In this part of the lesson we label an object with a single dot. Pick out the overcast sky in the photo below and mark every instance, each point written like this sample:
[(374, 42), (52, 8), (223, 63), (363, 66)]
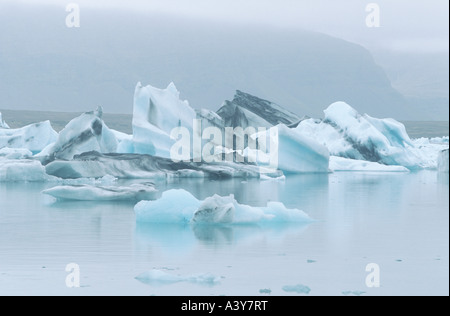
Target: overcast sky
[(224, 45), (406, 25)]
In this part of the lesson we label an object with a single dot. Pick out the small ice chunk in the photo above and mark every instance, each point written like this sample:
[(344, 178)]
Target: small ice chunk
[(299, 288), (158, 277), (265, 291), (354, 293)]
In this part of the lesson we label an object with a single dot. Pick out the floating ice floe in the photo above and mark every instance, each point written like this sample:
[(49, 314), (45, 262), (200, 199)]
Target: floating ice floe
[(158, 277), (34, 137), (179, 206), (136, 166), (135, 192), (2, 122)]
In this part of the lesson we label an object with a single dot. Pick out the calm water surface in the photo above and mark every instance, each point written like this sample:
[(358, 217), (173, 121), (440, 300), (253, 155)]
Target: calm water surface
[(398, 221)]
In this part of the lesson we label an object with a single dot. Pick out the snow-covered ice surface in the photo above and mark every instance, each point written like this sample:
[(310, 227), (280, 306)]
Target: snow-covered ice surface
[(181, 207), (85, 192), (398, 220)]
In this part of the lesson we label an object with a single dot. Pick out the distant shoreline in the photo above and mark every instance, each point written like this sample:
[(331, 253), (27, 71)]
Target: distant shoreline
[(123, 122)]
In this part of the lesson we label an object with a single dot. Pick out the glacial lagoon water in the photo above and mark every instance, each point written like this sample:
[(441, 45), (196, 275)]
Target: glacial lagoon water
[(398, 221)]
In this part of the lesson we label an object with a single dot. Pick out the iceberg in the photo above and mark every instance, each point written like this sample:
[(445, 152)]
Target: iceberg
[(348, 134), (246, 110), (136, 166), (443, 161), (300, 154), (181, 207), (135, 192), (34, 137), (346, 164), (156, 112), (87, 148), (2, 122), (124, 141), (293, 152), (209, 119), (85, 133)]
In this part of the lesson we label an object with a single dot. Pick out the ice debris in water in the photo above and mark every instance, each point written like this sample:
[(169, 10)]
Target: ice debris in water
[(265, 291), (158, 277), (299, 288), (355, 293)]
